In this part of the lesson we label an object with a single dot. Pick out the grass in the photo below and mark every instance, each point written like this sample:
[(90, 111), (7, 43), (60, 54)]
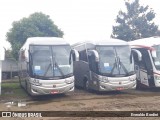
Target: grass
[(12, 90)]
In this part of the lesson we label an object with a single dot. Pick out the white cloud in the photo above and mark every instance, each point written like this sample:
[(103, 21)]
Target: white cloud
[(79, 19)]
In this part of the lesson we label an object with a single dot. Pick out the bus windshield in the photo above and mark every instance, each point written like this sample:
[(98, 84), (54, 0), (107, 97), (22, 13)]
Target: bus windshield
[(157, 59), (115, 60), (50, 61)]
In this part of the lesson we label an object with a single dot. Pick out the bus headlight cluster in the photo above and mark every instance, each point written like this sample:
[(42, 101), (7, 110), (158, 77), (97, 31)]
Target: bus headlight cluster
[(103, 79), (132, 79), (36, 82), (69, 80), (157, 77)]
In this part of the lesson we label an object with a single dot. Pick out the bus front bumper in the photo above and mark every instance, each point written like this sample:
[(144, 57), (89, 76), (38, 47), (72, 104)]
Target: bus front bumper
[(39, 90), (119, 86)]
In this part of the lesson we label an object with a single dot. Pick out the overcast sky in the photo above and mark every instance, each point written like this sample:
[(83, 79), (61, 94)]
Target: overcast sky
[(79, 19)]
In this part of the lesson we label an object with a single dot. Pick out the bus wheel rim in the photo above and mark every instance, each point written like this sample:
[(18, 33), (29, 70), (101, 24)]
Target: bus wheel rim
[(87, 85)]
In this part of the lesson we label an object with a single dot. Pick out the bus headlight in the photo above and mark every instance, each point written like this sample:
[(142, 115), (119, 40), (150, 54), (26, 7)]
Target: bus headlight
[(156, 77), (104, 79), (69, 80), (132, 79), (36, 82)]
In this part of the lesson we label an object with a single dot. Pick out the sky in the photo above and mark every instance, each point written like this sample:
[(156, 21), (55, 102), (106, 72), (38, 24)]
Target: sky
[(79, 19)]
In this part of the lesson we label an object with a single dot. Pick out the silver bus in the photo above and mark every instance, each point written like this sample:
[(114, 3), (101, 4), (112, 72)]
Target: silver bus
[(148, 69), (44, 66), (104, 65)]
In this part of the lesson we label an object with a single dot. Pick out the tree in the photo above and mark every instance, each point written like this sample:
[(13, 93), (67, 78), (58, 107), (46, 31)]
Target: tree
[(136, 23), (36, 25), (8, 54)]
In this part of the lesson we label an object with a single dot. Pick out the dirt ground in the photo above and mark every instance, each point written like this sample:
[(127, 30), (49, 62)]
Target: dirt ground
[(80, 100)]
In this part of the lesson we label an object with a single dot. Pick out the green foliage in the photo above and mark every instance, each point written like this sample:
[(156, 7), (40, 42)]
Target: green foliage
[(136, 23), (8, 54), (36, 25)]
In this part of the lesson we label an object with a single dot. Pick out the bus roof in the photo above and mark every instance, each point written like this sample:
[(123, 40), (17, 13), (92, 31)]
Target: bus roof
[(109, 41), (44, 41), (145, 42)]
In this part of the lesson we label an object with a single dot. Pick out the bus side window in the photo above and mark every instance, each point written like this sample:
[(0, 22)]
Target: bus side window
[(145, 63), (135, 57), (142, 62)]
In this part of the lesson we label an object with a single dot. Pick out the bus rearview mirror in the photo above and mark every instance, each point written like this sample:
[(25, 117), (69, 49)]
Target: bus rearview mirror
[(139, 54), (74, 54), (95, 54)]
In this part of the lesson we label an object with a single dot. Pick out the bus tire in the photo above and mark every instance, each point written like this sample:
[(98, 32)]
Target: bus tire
[(86, 85), (20, 82), (19, 78), (27, 87), (138, 86)]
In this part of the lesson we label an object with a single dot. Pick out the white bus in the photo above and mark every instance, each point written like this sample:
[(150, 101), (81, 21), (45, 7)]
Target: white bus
[(104, 65), (148, 69), (44, 66)]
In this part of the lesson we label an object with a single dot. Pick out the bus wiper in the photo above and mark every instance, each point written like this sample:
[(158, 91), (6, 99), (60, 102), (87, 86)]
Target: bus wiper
[(121, 64), (55, 64), (114, 66), (59, 68), (124, 68), (117, 65), (47, 69), (50, 64)]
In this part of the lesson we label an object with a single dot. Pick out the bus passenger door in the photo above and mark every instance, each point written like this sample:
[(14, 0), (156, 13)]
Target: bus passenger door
[(141, 69), (143, 66), (143, 76), (137, 56), (74, 56), (93, 59), (149, 68), (73, 60)]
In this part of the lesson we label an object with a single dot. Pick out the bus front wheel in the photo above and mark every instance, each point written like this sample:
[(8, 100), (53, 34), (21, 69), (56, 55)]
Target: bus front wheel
[(86, 85)]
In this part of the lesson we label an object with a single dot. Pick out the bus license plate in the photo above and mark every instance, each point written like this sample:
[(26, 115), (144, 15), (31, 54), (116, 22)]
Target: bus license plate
[(119, 88), (54, 92)]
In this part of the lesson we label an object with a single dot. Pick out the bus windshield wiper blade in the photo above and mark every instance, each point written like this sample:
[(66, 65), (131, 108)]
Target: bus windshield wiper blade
[(121, 64), (47, 69), (115, 64), (59, 69), (124, 68)]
